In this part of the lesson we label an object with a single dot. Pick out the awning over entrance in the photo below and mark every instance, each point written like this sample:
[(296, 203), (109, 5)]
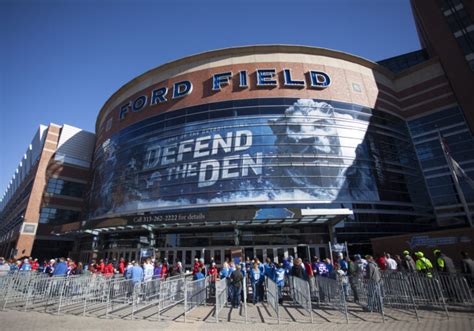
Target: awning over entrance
[(211, 219)]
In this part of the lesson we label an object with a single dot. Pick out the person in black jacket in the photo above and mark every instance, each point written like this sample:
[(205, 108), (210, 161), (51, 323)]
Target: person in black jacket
[(236, 278), (297, 269)]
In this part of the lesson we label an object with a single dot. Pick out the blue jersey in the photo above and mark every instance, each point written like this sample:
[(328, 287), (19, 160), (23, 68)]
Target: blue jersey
[(224, 273), (26, 267), (255, 275), (343, 264), (269, 271), (322, 269), (198, 275), (280, 276)]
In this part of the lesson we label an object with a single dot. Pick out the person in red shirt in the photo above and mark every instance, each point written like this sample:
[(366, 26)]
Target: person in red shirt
[(164, 270), (308, 268), (381, 262), (109, 269), (213, 272), (196, 266), (35, 264), (100, 267), (121, 267)]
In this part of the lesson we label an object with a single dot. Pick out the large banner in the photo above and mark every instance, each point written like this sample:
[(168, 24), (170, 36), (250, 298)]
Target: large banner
[(310, 152)]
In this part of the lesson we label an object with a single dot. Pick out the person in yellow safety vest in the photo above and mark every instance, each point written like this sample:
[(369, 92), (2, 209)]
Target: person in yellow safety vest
[(443, 262), (423, 264)]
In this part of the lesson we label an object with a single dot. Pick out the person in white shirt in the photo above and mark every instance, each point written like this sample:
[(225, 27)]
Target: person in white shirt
[(391, 263), (4, 267), (148, 270)]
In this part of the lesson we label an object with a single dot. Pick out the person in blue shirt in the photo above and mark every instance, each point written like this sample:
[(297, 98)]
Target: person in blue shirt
[(280, 280), (330, 267), (60, 269), (269, 268), (321, 268), (224, 274), (260, 266), (198, 275), (256, 279), (224, 271), (136, 273), (26, 266), (342, 263), (14, 266)]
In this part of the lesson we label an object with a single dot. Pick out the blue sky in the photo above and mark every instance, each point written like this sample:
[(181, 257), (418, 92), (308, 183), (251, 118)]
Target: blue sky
[(61, 60)]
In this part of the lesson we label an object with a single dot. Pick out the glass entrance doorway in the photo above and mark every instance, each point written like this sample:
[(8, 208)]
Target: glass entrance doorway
[(221, 254)]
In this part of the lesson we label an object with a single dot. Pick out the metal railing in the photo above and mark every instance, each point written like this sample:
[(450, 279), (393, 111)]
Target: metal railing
[(301, 294), (116, 297), (221, 296), (195, 294), (333, 292), (172, 294), (273, 296)]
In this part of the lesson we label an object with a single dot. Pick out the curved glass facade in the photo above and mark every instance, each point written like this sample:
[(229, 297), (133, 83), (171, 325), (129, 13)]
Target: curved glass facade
[(277, 151)]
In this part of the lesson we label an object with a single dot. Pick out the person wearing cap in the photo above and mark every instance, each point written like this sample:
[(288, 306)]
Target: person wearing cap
[(423, 264), (443, 262), (408, 264)]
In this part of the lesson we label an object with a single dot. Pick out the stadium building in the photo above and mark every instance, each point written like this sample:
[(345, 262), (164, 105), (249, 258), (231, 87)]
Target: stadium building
[(276, 150)]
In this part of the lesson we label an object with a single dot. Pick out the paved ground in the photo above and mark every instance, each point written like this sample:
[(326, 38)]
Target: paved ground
[(260, 317)]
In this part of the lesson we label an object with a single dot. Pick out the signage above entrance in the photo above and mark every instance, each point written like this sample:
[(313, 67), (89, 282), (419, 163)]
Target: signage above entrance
[(262, 78)]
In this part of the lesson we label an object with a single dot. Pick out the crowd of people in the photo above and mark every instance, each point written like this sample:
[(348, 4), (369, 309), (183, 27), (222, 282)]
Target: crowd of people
[(346, 269)]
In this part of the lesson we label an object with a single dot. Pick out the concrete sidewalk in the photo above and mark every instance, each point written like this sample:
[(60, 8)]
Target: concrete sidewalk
[(260, 317)]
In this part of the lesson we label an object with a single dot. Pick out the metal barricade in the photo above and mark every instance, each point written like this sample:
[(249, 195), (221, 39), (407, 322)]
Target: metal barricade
[(18, 287), (119, 296), (38, 292), (273, 296), (314, 288), (171, 294), (71, 295), (95, 301), (301, 294), (221, 296), (426, 291), (456, 289), (370, 295), (397, 292), (333, 292), (195, 294)]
